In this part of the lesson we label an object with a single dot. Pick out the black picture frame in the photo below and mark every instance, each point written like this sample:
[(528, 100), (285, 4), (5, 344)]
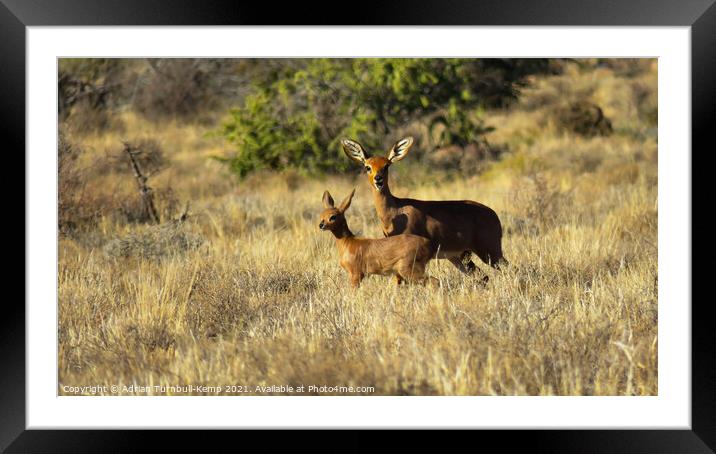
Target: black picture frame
[(700, 15)]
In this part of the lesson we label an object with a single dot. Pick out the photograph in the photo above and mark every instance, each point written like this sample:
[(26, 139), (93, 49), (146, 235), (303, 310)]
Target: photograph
[(357, 226)]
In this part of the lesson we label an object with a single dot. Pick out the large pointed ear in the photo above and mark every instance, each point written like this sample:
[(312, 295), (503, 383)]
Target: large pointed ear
[(400, 149), (327, 200), (346, 202), (354, 150)]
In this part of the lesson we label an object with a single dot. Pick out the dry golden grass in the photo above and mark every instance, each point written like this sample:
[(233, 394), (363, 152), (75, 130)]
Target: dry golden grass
[(262, 301)]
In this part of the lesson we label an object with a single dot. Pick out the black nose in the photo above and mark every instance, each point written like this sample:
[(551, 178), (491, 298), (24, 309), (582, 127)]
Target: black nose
[(378, 179), (320, 226)]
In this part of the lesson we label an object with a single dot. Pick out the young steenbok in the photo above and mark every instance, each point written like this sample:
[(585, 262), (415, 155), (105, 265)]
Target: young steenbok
[(455, 227), (404, 256)]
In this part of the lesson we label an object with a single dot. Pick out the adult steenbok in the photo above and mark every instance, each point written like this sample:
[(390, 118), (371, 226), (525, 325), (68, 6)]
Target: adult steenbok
[(404, 256), (456, 227)]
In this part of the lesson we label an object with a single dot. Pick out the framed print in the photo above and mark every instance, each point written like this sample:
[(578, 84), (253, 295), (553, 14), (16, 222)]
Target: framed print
[(518, 179)]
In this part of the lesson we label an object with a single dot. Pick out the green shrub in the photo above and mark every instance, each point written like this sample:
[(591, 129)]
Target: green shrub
[(297, 117)]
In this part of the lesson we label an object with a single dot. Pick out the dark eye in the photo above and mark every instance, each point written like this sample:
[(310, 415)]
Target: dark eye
[(367, 169), (332, 218)]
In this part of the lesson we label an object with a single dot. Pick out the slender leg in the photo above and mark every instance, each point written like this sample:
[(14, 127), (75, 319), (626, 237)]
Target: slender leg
[(413, 273), (468, 268), (469, 264), (356, 278), (501, 263), (492, 256), (398, 279), (465, 267)]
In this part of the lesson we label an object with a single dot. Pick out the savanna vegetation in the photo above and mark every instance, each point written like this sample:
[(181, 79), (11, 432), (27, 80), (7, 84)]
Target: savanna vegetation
[(190, 254)]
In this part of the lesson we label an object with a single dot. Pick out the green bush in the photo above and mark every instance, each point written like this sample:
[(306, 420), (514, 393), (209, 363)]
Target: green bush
[(296, 117)]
